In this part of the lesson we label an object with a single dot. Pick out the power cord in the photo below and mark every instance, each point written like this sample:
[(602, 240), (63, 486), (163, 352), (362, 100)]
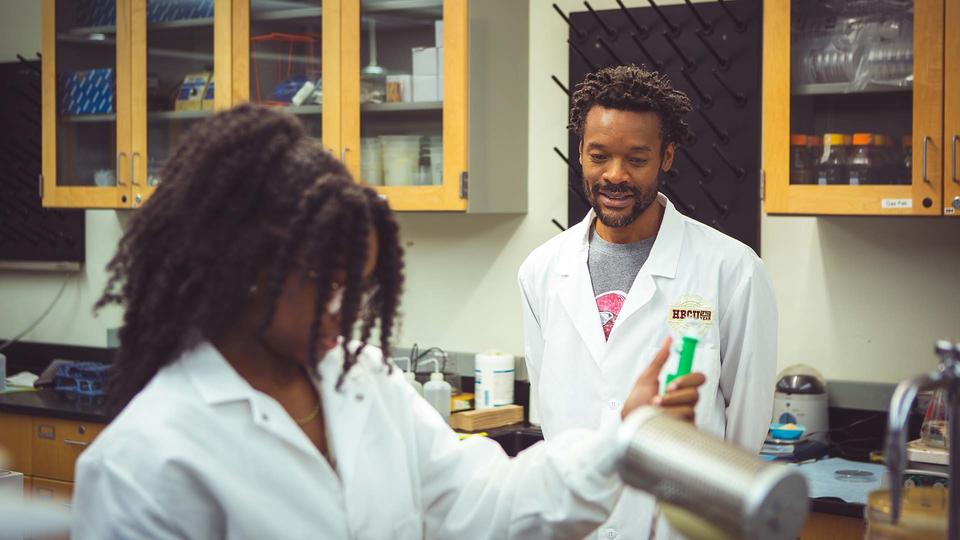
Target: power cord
[(38, 320)]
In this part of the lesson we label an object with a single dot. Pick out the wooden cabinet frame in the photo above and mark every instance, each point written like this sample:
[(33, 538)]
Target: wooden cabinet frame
[(781, 197)]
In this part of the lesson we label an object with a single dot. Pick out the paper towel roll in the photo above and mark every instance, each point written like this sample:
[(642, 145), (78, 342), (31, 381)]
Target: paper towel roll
[(493, 376)]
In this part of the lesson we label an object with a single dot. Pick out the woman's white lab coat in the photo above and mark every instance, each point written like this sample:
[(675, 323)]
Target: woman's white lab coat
[(581, 379), (199, 453)]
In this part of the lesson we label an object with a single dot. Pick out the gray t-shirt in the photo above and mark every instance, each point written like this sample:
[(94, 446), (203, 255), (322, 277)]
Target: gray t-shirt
[(613, 267)]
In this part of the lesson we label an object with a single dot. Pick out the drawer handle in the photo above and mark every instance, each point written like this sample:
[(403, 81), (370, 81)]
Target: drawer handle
[(72, 442)]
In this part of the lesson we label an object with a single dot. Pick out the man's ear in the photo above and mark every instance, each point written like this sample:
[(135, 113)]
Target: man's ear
[(580, 154), (667, 160)]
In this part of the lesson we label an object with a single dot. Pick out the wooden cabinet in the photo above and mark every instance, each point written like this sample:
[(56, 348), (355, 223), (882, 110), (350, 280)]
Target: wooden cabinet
[(855, 118), (831, 527), (425, 100), (951, 114), (113, 106), (51, 490), (15, 433), (45, 450), (56, 444)]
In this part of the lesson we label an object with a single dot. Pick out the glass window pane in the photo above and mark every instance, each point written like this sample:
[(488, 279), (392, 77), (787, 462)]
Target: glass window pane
[(86, 62), (285, 57), (401, 92), (852, 101)]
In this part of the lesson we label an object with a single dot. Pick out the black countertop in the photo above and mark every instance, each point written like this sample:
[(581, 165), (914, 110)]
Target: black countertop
[(53, 404)]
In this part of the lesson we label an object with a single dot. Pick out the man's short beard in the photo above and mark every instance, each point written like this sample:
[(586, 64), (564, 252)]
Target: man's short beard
[(642, 200)]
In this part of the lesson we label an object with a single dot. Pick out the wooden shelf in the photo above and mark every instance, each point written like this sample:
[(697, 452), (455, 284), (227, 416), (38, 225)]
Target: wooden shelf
[(825, 89), (159, 115)]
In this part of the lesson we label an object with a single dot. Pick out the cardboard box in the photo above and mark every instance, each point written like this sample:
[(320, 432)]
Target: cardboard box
[(425, 88), (207, 103), (88, 92), (192, 90), (424, 61), (406, 86)]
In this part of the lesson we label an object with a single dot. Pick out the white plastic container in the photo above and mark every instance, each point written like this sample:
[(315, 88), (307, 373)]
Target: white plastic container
[(401, 159), (371, 161), (437, 394), (493, 378), (411, 378)]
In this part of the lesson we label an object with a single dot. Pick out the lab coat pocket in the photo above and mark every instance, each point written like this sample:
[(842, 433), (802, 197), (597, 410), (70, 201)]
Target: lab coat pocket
[(706, 361)]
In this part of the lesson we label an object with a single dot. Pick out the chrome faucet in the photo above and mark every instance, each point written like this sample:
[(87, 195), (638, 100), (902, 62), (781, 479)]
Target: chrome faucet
[(947, 378)]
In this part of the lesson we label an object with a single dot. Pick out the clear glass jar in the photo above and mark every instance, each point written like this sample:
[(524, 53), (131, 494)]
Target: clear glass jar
[(802, 161), (832, 167), (906, 160), (864, 164), (923, 515)]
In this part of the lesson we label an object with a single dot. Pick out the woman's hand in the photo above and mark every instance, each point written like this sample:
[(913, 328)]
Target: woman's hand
[(681, 395)]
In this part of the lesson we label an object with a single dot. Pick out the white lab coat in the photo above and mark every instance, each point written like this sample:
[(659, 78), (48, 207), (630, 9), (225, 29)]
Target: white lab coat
[(199, 453), (581, 380)]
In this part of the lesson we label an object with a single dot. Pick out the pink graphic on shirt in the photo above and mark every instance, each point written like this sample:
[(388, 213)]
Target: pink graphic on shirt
[(609, 305)]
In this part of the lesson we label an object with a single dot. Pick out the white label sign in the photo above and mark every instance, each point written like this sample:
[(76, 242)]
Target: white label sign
[(949, 210), (889, 204)]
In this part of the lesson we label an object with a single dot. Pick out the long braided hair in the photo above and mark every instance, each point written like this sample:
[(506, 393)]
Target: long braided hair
[(247, 193)]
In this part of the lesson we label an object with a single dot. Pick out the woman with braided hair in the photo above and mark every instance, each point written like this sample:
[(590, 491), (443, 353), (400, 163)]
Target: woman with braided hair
[(246, 407)]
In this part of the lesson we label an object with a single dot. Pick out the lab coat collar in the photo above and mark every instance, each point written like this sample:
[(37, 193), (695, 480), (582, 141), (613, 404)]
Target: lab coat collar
[(664, 256), (219, 384), (576, 288)]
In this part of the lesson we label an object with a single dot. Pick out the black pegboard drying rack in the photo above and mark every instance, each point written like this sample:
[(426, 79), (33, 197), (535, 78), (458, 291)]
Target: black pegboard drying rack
[(711, 51), (31, 237)]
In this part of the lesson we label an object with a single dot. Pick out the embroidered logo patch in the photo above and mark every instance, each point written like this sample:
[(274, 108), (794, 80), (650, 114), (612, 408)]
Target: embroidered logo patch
[(689, 307)]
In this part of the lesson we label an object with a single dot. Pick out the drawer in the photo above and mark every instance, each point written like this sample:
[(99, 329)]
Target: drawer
[(57, 443), (51, 490), (832, 527), (15, 433)]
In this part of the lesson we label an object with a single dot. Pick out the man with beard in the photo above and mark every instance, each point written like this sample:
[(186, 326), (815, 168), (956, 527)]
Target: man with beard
[(648, 271)]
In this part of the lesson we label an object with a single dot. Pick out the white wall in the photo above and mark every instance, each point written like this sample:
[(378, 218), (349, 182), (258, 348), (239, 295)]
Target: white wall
[(860, 298), (25, 295)]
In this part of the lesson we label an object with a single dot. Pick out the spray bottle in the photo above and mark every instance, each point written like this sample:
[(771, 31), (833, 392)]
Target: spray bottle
[(437, 390)]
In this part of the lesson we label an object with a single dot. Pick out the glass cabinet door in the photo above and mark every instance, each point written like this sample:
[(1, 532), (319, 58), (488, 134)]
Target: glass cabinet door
[(865, 108), (173, 81), (285, 40), (85, 158), (401, 92)]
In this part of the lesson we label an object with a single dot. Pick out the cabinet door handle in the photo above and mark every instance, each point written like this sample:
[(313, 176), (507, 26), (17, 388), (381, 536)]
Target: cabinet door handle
[(953, 174), (120, 155), (133, 168), (72, 442), (343, 155), (926, 139)]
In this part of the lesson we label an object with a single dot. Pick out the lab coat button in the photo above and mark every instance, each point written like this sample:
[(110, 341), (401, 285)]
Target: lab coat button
[(610, 533), (613, 404)]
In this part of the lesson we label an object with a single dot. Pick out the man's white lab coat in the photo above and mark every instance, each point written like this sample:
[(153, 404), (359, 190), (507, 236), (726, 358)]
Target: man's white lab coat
[(581, 380), (199, 453)]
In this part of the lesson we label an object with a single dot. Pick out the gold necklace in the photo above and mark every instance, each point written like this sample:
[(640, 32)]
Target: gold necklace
[(313, 414)]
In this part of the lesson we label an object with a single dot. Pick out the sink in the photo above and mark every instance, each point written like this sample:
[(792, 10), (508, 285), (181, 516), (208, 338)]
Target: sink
[(516, 440)]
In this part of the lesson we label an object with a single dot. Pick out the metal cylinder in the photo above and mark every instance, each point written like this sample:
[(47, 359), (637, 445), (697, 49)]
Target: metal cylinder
[(716, 481)]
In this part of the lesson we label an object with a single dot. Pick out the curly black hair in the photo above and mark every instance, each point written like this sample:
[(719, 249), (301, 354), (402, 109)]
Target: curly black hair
[(247, 193), (632, 88)]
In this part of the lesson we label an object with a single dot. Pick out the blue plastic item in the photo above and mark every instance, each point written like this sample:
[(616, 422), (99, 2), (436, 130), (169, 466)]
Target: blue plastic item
[(285, 91), (780, 431), (87, 378)]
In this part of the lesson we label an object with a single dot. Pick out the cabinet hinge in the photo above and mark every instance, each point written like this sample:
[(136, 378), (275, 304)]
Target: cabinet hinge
[(763, 184), (40, 176), (464, 185)]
